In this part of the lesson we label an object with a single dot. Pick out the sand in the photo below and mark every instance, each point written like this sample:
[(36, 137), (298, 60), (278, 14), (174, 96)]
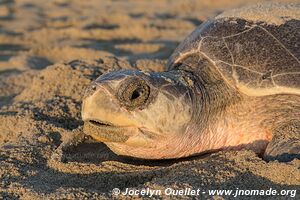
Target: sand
[(50, 51), (258, 13)]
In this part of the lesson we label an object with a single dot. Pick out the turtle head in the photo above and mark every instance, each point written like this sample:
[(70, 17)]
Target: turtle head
[(138, 114)]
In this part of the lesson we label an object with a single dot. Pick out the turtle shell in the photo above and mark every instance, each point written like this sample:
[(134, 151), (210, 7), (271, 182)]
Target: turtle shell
[(256, 49)]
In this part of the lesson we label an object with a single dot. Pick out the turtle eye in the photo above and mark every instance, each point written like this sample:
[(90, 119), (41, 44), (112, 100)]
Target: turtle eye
[(134, 93)]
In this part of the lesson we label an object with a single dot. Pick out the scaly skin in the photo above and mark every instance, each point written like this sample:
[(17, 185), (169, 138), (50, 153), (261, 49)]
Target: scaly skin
[(205, 120)]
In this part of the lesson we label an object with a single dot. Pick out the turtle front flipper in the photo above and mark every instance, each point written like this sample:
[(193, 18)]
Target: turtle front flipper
[(285, 144)]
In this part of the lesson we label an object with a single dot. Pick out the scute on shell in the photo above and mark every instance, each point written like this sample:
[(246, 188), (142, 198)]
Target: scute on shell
[(254, 55)]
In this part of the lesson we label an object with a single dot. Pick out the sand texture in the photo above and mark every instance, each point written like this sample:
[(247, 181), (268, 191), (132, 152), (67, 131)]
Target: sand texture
[(51, 50)]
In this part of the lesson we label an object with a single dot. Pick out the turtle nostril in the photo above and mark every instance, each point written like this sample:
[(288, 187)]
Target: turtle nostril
[(90, 90)]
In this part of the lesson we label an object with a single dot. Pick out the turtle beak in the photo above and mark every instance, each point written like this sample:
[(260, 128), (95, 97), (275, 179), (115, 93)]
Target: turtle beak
[(104, 119), (105, 132)]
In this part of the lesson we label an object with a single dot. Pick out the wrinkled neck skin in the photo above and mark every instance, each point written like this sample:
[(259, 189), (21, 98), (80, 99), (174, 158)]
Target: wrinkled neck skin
[(224, 118), (218, 119)]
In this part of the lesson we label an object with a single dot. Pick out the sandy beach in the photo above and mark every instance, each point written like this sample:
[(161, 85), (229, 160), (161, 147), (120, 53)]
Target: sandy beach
[(50, 51)]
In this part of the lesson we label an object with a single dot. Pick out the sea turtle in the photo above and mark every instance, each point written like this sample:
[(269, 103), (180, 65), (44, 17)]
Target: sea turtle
[(233, 83)]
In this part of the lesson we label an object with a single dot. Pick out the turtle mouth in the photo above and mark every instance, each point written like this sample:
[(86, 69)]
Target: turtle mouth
[(100, 123), (105, 131)]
